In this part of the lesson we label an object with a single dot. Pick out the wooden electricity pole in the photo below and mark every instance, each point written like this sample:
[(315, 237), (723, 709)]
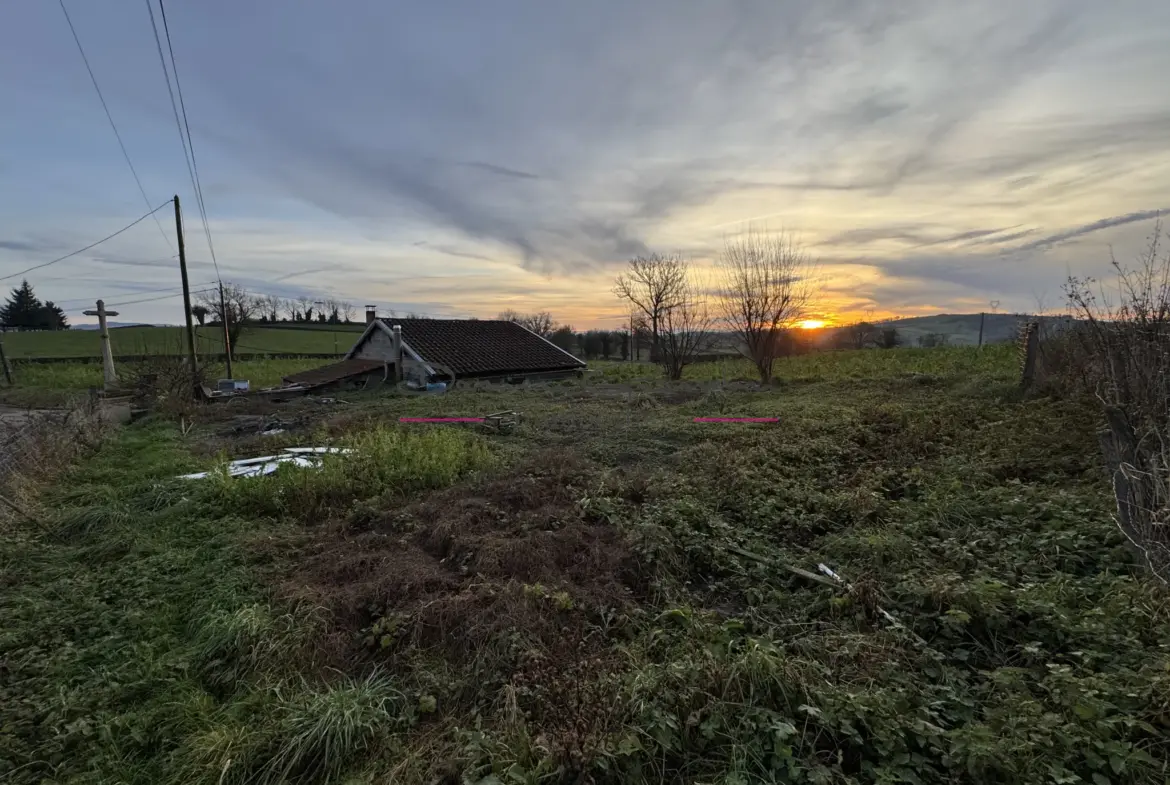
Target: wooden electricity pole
[(108, 376), (227, 343), (186, 295)]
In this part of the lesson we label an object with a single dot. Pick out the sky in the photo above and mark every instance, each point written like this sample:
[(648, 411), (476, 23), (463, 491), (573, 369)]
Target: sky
[(460, 158)]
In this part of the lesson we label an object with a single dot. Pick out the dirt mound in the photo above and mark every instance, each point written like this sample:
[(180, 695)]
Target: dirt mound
[(512, 554), (505, 579)]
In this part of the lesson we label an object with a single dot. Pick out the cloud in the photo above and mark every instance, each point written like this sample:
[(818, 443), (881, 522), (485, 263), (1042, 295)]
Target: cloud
[(450, 250), (937, 150), (502, 171), (631, 116), (19, 245), (1095, 226)]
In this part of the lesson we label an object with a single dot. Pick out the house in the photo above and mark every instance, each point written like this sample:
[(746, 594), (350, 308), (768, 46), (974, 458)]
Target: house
[(466, 348), (442, 349)]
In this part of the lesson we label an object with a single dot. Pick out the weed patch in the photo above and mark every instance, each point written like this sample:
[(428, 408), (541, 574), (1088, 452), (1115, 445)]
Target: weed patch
[(609, 593)]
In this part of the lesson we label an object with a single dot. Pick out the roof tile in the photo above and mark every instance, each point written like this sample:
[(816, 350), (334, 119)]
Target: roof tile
[(482, 347)]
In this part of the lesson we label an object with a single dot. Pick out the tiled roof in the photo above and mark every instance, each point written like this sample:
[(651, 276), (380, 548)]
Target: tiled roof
[(334, 372), (482, 347)]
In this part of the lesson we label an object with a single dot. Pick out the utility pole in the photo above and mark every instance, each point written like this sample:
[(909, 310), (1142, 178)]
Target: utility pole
[(186, 296), (227, 343), (108, 374), (981, 315)]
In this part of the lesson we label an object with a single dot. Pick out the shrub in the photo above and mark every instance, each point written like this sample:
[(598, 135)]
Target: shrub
[(1125, 356)]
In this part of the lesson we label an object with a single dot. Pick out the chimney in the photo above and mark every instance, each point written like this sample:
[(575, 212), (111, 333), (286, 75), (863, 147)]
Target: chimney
[(396, 330), (371, 313)]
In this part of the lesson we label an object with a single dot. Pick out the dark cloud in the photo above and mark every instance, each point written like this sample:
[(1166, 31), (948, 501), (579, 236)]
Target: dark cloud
[(503, 171), (1005, 238), (19, 245), (451, 250), (919, 235), (1096, 226), (299, 273)]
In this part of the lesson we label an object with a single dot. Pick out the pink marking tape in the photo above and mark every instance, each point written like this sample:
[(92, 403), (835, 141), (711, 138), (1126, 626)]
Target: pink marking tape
[(440, 419), (737, 419)]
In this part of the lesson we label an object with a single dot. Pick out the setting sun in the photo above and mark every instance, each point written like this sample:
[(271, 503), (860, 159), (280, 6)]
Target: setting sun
[(811, 324)]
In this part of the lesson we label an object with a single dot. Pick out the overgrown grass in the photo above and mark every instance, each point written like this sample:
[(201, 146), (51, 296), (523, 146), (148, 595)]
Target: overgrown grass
[(379, 461), (180, 631), (294, 734), (139, 646), (46, 385), (996, 362)]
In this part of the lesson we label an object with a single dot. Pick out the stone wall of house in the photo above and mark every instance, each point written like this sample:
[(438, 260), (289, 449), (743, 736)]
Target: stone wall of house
[(379, 346)]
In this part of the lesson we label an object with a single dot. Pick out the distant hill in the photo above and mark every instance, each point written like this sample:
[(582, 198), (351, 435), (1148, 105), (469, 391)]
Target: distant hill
[(963, 328)]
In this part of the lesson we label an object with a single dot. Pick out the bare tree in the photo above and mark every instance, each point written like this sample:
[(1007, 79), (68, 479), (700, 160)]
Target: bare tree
[(240, 305), (685, 330), (347, 311), (305, 308), (271, 305), (541, 323), (200, 312), (856, 335), (653, 285), (765, 287), (291, 309)]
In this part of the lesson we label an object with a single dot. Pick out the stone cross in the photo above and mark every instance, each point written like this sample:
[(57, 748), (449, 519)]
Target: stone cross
[(107, 356)]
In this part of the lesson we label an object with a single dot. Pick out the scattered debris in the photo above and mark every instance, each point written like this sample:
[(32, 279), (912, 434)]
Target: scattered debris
[(503, 421), (262, 425), (889, 617), (304, 457), (812, 576)]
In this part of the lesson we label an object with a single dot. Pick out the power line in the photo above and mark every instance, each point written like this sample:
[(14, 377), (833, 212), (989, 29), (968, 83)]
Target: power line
[(81, 309), (156, 299), (185, 127), (128, 294), (91, 245), (110, 117)]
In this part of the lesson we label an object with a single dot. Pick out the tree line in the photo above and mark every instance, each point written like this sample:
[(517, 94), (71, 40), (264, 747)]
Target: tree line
[(759, 291), (243, 308), (24, 311), (590, 345)]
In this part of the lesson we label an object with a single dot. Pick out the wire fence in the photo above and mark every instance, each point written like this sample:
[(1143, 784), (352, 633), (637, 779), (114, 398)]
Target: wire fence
[(36, 442)]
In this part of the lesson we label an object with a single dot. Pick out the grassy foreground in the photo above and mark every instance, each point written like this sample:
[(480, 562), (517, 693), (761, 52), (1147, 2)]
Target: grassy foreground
[(601, 595)]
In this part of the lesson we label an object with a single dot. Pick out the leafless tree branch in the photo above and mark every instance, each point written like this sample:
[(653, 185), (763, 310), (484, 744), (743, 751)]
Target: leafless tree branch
[(765, 286)]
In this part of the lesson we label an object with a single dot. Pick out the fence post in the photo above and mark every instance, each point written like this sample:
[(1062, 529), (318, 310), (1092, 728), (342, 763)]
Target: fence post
[(1031, 349), (4, 362)]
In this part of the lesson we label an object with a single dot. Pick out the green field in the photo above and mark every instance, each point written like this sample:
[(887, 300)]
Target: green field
[(610, 593), (139, 341)]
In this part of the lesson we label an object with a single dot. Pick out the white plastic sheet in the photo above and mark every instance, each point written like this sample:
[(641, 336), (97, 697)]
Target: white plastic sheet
[(302, 457)]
